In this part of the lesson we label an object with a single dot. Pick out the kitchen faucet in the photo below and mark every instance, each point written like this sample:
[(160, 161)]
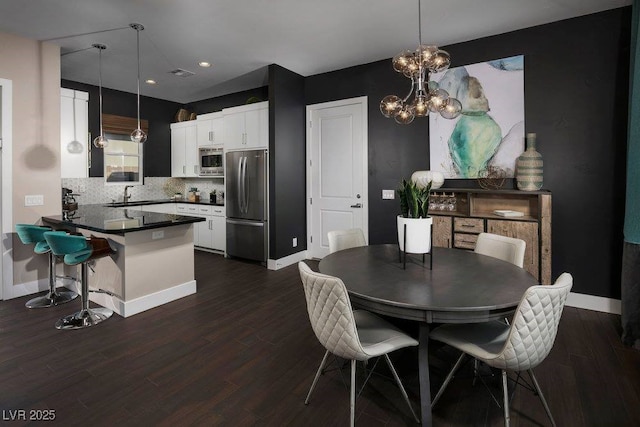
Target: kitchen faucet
[(126, 196)]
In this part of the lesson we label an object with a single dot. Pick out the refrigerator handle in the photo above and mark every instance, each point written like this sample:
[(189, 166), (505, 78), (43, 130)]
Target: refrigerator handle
[(239, 183), (245, 184), (247, 223)]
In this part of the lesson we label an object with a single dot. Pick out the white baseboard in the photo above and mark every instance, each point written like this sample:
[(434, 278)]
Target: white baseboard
[(35, 286), (138, 305), (277, 264), (590, 302)]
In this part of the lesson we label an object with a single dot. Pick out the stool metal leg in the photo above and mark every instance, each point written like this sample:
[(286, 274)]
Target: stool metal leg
[(87, 316), (53, 297)]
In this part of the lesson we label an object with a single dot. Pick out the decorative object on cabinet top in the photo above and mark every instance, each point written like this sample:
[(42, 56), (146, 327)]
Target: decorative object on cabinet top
[(492, 178), (184, 115), (529, 167), (424, 177)]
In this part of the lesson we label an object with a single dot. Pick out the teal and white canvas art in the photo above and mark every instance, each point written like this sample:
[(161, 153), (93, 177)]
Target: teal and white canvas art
[(490, 130)]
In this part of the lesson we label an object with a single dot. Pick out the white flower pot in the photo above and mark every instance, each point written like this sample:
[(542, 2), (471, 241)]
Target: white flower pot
[(418, 234)]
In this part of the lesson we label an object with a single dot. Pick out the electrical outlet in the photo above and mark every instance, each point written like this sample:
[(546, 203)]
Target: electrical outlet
[(34, 200), (295, 242), (157, 235), (388, 194)]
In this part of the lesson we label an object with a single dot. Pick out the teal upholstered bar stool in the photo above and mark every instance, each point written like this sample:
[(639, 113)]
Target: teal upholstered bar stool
[(34, 234), (80, 250)]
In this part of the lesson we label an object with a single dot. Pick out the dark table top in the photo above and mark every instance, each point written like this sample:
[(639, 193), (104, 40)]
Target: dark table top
[(111, 220), (463, 286)]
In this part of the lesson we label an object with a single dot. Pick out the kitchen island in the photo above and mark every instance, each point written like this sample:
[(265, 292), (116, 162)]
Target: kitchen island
[(154, 259)]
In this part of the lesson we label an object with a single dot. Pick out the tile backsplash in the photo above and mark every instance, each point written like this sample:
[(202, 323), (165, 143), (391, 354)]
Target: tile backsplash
[(93, 190)]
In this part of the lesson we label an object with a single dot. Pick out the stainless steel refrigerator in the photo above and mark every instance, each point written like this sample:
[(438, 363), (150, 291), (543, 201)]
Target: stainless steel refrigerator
[(247, 204)]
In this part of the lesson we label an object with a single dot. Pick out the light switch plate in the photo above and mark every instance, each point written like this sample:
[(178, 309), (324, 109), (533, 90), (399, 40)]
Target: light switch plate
[(34, 200), (388, 194)]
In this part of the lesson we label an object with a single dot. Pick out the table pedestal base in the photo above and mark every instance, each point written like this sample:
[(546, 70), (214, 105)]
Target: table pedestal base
[(423, 374)]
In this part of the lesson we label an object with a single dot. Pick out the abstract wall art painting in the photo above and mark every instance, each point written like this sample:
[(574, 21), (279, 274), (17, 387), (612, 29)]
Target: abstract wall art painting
[(490, 130)]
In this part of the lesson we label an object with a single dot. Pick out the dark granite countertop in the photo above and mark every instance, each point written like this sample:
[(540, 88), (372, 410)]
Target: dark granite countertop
[(116, 220), (160, 201)]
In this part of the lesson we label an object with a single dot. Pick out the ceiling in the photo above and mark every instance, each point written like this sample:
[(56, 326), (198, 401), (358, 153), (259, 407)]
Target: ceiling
[(242, 37)]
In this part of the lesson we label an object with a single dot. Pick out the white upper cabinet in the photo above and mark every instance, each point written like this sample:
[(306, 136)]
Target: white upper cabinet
[(210, 129), (246, 127), (75, 144), (184, 150)]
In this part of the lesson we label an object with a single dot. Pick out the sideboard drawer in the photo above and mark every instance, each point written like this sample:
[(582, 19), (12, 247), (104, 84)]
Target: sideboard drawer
[(468, 225), (465, 241)]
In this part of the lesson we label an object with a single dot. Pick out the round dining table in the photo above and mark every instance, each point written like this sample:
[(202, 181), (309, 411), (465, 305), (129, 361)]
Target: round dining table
[(461, 287)]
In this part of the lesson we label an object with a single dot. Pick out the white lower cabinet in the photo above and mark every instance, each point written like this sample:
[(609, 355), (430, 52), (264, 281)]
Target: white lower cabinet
[(219, 229), (211, 233)]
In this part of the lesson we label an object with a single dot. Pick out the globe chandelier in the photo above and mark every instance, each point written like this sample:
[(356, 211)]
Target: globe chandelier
[(428, 96)]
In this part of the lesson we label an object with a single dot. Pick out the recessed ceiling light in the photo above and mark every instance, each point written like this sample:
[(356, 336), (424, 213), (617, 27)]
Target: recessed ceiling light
[(150, 81), (204, 64)]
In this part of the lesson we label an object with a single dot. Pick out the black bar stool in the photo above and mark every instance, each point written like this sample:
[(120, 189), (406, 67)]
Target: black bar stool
[(80, 250), (34, 234)]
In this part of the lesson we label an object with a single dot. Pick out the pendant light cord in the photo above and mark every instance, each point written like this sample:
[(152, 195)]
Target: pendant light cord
[(138, 52), (100, 83), (419, 24)]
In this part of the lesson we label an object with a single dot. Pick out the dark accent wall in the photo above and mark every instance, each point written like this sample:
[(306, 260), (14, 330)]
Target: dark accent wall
[(576, 96), (287, 154), (159, 113)]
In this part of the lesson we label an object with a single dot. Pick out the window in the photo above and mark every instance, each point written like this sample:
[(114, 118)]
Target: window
[(122, 160)]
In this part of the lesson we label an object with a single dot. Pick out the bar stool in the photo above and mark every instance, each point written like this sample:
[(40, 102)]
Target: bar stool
[(80, 250), (29, 234)]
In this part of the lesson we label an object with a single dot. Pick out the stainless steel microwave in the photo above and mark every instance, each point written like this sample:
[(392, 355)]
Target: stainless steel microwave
[(211, 161)]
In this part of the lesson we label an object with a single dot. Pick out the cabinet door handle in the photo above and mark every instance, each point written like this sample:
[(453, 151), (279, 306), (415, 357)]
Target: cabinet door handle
[(184, 169), (195, 169), (210, 135), (210, 224), (357, 205)]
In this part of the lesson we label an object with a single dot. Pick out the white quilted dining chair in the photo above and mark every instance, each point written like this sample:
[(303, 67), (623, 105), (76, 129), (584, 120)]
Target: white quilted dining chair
[(345, 239), (521, 346), (355, 335), (505, 248)]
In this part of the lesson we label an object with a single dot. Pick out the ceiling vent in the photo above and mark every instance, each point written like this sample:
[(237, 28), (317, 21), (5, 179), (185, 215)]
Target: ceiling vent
[(179, 72)]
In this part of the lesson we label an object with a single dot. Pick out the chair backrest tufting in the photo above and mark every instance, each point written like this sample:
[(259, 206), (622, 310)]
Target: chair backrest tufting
[(502, 247), (330, 314), (345, 239), (534, 325)]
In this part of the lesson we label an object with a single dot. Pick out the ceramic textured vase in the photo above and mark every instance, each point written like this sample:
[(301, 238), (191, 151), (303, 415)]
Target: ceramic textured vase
[(529, 167), (422, 178)]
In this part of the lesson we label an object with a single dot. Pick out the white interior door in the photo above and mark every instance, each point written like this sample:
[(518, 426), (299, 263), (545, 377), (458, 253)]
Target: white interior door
[(337, 171)]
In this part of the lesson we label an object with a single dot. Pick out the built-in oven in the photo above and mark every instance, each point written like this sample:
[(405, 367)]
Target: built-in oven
[(211, 161)]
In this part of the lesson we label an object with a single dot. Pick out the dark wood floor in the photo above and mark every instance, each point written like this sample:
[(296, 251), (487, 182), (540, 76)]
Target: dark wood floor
[(241, 352)]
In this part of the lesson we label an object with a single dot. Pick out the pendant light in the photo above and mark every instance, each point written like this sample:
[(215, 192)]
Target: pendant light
[(75, 146), (428, 96), (138, 135), (100, 141)]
